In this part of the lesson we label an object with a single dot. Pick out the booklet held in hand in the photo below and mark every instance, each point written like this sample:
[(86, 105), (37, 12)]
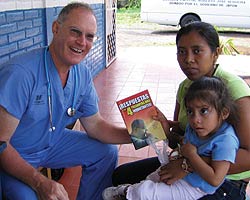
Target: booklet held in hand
[(137, 111)]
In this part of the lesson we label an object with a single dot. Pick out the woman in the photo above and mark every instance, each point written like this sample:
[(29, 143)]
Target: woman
[(198, 49)]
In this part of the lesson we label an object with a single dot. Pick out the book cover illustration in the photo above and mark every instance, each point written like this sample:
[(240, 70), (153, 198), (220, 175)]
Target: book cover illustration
[(137, 111)]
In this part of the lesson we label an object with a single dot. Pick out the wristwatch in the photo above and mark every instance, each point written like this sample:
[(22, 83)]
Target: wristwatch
[(3, 145)]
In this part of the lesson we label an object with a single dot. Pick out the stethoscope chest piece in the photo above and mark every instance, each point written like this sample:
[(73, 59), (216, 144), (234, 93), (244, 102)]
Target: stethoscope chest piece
[(71, 111)]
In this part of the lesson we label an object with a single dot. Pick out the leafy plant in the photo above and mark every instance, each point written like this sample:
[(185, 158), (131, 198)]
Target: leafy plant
[(228, 47), (134, 4), (129, 3)]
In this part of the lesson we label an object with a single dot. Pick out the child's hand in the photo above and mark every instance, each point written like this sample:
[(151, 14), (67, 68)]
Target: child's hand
[(163, 120), (159, 116), (188, 150)]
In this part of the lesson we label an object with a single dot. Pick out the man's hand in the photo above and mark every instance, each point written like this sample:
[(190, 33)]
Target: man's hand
[(51, 190), (172, 172)]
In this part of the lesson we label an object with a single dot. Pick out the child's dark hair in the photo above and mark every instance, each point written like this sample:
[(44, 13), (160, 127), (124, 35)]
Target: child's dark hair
[(213, 91)]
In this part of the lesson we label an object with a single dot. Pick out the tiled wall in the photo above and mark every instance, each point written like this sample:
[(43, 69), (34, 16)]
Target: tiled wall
[(24, 29), (20, 31)]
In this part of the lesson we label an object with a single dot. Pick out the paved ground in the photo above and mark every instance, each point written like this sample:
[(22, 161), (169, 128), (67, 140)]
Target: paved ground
[(139, 35)]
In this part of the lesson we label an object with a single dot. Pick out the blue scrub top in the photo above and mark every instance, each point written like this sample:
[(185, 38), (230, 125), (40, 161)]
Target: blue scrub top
[(222, 145), (24, 94)]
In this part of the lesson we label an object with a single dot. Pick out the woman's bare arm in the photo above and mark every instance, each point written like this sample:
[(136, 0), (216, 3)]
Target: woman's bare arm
[(243, 132)]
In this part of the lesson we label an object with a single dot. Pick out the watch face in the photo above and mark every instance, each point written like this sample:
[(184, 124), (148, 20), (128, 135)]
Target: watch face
[(3, 145)]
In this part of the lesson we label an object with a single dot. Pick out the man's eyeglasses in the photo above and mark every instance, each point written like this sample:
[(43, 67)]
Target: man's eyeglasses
[(76, 33)]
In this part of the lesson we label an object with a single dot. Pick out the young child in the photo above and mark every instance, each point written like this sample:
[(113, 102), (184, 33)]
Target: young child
[(211, 115)]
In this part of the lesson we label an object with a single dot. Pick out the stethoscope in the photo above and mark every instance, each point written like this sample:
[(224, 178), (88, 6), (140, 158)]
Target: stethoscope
[(71, 111)]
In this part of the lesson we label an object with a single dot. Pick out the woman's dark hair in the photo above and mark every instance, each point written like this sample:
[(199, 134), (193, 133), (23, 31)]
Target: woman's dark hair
[(213, 91), (205, 30)]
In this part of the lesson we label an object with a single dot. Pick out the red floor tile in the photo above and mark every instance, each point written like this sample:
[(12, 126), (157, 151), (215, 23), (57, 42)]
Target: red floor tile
[(134, 70)]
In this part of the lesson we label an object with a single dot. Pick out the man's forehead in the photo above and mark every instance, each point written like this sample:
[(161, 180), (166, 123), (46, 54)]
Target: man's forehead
[(81, 19), (80, 13)]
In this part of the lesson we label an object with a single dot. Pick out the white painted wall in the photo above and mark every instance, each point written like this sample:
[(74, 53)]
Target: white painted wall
[(6, 5)]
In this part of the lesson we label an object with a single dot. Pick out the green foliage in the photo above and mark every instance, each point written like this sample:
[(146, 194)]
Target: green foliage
[(128, 16), (134, 4), (129, 3), (228, 47), (129, 11)]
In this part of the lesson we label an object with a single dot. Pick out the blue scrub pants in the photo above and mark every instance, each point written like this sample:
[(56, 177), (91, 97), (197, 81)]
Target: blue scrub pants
[(75, 148)]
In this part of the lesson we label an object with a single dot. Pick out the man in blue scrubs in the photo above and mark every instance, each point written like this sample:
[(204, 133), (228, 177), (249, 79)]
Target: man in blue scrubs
[(43, 91), (3, 146)]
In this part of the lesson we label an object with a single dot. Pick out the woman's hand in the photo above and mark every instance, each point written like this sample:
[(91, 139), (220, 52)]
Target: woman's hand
[(172, 172)]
